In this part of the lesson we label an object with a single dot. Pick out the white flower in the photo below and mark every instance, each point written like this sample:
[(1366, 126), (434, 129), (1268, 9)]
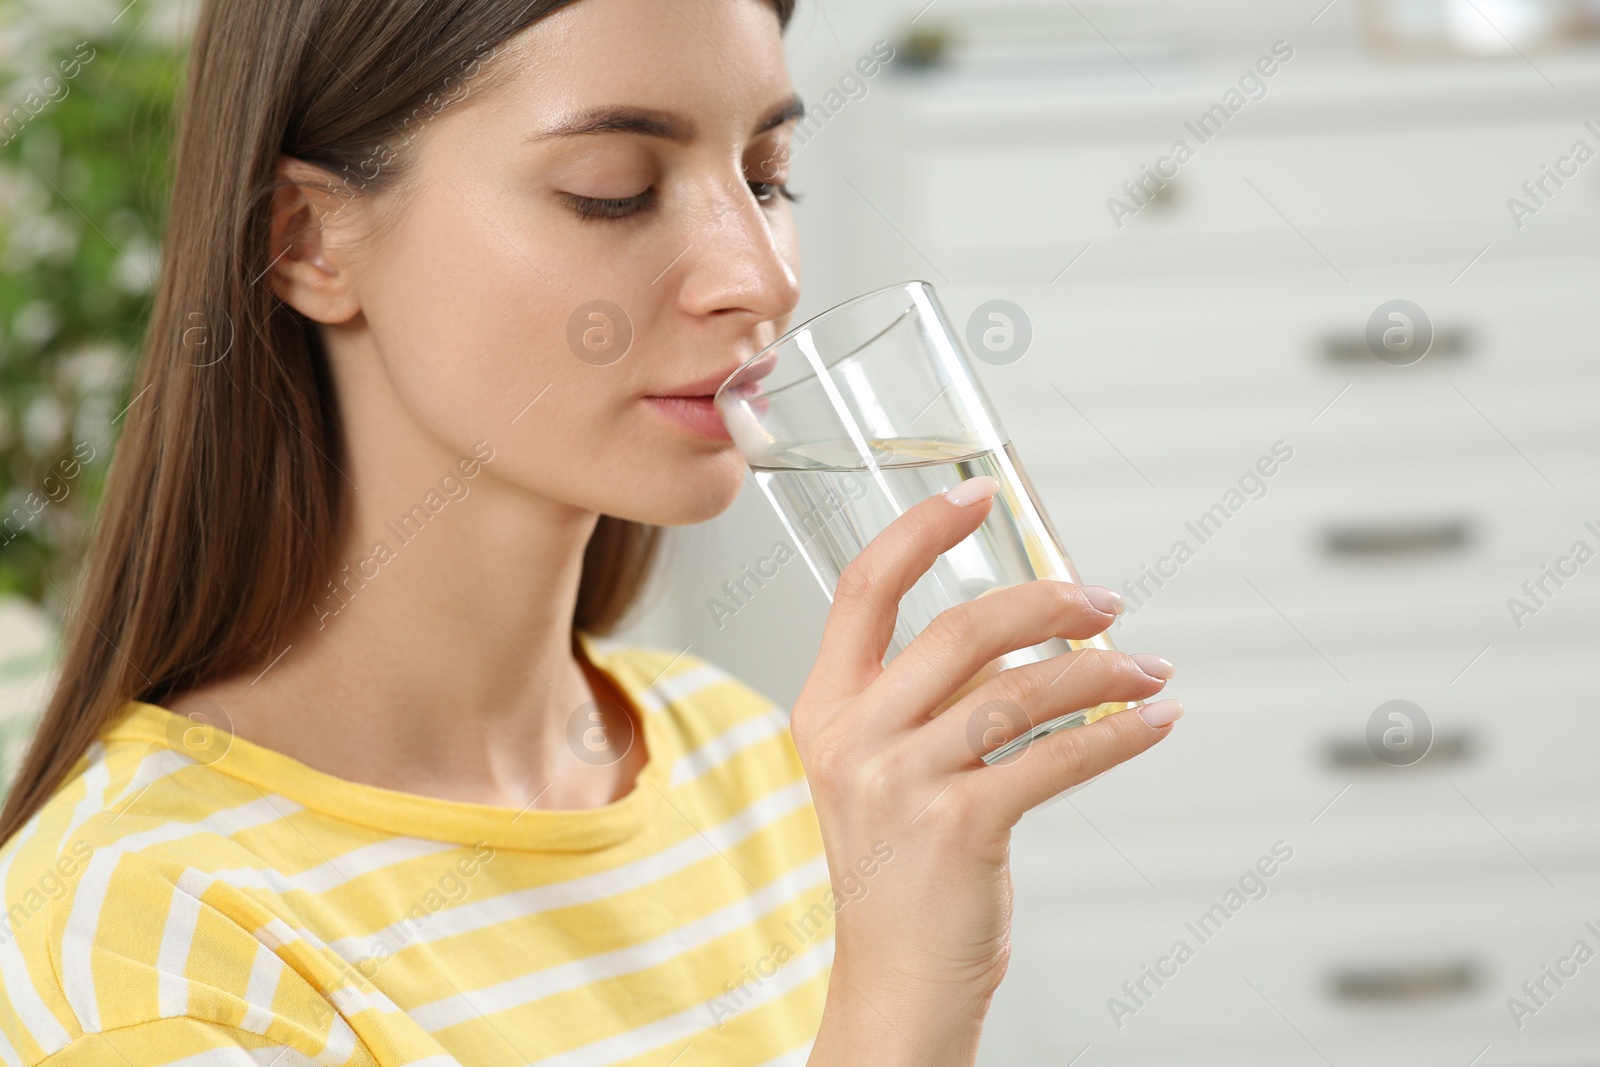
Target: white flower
[(36, 323), (44, 424)]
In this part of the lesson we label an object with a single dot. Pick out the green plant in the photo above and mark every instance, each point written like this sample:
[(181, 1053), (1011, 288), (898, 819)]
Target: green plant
[(86, 111)]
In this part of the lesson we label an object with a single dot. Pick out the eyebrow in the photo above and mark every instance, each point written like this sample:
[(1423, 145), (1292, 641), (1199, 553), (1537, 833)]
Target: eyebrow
[(651, 122)]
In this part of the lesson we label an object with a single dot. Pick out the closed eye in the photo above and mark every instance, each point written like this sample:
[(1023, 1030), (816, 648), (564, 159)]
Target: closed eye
[(766, 192), (589, 207)]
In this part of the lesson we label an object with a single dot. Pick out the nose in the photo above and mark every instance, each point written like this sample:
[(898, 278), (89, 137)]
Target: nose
[(738, 262)]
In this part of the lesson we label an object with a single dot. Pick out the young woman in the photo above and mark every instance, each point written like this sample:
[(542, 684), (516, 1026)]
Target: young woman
[(342, 767)]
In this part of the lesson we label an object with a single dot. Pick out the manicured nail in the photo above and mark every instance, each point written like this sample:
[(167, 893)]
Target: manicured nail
[(1153, 665), (1161, 713), (973, 490), (1108, 601)]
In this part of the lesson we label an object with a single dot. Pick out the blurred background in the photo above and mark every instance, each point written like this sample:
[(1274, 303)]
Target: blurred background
[(1372, 268)]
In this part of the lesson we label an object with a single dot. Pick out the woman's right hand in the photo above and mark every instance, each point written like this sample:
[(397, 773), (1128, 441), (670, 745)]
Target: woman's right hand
[(916, 826)]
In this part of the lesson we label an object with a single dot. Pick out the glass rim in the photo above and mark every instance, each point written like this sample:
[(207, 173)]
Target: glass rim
[(795, 331)]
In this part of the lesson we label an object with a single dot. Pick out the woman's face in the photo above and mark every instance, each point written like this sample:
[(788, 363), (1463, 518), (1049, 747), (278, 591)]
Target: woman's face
[(606, 227)]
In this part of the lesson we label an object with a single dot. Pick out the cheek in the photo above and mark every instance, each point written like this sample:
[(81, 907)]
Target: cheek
[(459, 314), (478, 310)]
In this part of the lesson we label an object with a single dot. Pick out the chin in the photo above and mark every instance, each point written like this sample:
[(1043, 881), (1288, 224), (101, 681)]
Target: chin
[(683, 495)]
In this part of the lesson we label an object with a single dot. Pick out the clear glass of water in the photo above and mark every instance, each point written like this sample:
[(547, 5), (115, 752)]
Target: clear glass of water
[(858, 414)]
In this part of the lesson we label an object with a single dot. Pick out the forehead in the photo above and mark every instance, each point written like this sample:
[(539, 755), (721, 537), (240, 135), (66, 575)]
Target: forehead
[(718, 62)]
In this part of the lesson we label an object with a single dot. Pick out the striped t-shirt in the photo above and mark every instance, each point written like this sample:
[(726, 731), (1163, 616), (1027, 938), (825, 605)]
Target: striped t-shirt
[(249, 910)]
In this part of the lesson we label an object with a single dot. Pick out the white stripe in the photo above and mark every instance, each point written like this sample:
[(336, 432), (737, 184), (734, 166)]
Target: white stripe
[(440, 1060), (177, 938), (723, 747), (448, 1011), (360, 861), (350, 1000), (266, 974), (152, 768), (329, 875), (347, 1000), (518, 904), (696, 1019), (96, 777), (261, 990), (688, 683), (275, 933), (16, 843), (78, 938), (341, 1044), (30, 1010), (684, 684)]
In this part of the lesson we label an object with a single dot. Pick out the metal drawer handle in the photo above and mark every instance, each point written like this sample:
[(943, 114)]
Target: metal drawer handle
[(1448, 343), (1396, 539), (1354, 754), (1405, 983)]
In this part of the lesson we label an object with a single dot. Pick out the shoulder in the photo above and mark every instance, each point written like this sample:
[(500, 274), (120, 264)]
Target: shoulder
[(105, 901), (715, 723), (667, 680)]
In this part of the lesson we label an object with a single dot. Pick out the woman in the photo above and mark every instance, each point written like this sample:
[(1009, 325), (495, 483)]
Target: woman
[(342, 767)]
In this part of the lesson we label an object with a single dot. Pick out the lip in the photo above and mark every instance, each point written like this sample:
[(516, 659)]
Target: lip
[(705, 387), (708, 386), (694, 407), (696, 413)]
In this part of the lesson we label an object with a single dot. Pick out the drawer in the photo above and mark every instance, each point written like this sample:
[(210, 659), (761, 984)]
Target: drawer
[(1505, 320), (1269, 741), (1395, 972), (1328, 152), (1413, 556), (1277, 738), (1354, 196)]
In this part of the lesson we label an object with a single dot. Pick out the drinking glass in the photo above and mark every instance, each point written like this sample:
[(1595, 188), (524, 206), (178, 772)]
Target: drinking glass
[(861, 412)]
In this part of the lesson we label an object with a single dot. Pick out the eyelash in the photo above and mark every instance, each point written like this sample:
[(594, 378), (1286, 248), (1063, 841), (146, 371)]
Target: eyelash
[(780, 188), (588, 207)]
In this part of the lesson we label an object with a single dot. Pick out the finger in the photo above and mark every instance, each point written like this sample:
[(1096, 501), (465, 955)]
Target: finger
[(960, 645), (1066, 758), (1020, 698), (866, 601)]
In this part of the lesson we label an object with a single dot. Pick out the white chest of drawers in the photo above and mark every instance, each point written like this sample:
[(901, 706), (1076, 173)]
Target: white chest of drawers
[(1167, 357)]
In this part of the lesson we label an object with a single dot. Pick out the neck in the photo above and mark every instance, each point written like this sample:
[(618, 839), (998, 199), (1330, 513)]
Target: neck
[(439, 657)]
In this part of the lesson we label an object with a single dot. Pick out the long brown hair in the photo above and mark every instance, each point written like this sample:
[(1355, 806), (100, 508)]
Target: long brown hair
[(224, 499)]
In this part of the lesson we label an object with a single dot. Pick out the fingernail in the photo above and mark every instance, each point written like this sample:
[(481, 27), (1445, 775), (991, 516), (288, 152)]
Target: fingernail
[(1105, 600), (1161, 713), (973, 490), (1153, 665)]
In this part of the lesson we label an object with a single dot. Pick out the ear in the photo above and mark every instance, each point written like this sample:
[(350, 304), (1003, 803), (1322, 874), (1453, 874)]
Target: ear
[(313, 218)]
